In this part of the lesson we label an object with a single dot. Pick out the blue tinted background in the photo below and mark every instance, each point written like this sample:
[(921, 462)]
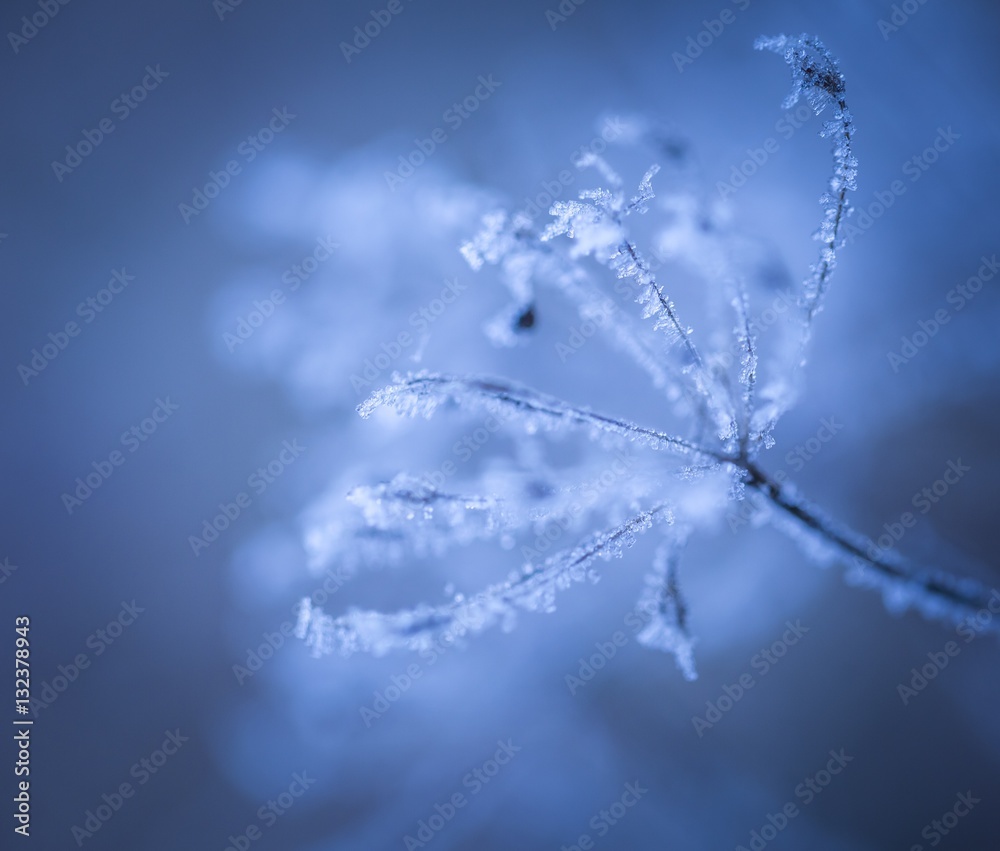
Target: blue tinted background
[(323, 175)]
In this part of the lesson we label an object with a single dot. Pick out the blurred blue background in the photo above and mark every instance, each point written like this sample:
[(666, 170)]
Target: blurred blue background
[(221, 73)]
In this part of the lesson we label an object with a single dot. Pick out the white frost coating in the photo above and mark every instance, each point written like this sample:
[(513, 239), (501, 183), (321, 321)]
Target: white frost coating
[(506, 242), (530, 589), (816, 74), (422, 393), (437, 519), (662, 600), (596, 226), (640, 202), (904, 583), (490, 244), (729, 390)]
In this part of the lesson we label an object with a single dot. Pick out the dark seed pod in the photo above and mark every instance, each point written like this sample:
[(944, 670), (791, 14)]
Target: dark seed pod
[(527, 318)]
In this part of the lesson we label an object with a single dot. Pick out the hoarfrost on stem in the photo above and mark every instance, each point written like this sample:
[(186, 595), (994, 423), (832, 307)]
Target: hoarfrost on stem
[(816, 74), (722, 389)]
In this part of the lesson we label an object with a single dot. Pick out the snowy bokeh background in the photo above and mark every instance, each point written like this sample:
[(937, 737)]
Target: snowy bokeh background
[(321, 182)]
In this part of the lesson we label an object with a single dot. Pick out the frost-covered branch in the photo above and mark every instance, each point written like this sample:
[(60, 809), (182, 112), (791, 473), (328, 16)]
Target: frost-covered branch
[(748, 364), (934, 593), (629, 263), (515, 246), (596, 225), (662, 600), (423, 392), (534, 588), (732, 414), (816, 74), (407, 500)]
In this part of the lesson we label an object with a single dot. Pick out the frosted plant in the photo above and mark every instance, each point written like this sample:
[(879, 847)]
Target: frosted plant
[(725, 390), (815, 74)]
